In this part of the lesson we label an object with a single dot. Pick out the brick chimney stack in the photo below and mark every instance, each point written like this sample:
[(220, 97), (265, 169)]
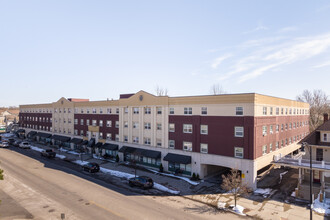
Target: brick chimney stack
[(325, 117)]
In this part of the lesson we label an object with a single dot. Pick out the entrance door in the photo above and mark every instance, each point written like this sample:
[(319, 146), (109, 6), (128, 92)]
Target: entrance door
[(316, 176), (319, 154)]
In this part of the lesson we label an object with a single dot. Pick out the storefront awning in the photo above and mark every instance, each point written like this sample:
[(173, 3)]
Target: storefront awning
[(61, 138), (76, 140), (85, 142), (107, 146), (126, 149), (177, 158), (45, 135), (32, 133), (140, 152), (151, 154), (98, 145)]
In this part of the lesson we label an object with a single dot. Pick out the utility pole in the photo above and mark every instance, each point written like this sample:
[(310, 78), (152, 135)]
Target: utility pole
[(305, 144)]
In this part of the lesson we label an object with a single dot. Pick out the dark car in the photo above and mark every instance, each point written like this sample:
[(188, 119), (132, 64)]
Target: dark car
[(48, 153), (11, 141), (141, 181), (16, 143), (91, 167)]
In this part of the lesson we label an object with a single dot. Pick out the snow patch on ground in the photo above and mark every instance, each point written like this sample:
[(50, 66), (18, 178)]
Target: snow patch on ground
[(80, 162), (264, 192), (320, 207), (238, 209), (281, 176), (221, 205), (178, 177), (36, 148), (127, 176), (293, 194), (60, 156)]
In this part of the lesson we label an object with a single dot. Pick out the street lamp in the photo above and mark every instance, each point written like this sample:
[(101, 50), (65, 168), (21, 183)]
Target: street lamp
[(305, 144)]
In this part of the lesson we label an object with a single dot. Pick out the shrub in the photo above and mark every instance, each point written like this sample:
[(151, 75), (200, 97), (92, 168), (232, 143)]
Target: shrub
[(117, 158), (161, 168)]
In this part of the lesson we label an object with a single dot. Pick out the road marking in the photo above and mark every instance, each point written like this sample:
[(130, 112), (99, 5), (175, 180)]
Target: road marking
[(102, 207)]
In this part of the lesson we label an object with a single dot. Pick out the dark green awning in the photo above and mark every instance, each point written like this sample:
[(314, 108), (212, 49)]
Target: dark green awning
[(177, 158)]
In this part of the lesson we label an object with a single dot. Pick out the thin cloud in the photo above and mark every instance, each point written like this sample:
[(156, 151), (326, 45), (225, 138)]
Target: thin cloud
[(216, 62), (327, 63), (287, 29), (260, 27)]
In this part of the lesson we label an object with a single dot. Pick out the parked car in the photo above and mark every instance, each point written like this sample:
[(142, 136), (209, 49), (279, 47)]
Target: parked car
[(11, 141), (50, 153), (141, 181), (24, 145), (91, 167), (16, 143), (4, 144)]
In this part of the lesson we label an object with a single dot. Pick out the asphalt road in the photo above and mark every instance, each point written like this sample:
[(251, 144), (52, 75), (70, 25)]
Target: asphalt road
[(46, 188)]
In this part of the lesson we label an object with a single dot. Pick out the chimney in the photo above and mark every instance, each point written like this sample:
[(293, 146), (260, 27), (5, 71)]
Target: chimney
[(325, 117)]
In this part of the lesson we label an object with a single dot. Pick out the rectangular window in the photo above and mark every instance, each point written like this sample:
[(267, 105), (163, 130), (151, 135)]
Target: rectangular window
[(135, 124), (117, 124), (282, 127), (264, 110), (264, 149), (94, 122), (271, 129), (277, 145), (136, 110), (282, 111), (125, 124), (171, 127), (117, 110), (94, 110), (239, 152), (75, 132), (277, 111), (82, 132), (147, 126), (270, 147), (81, 121), (159, 110), (147, 110), (187, 146), (290, 126), (239, 131), (87, 110), (126, 110), (136, 140), (125, 138), (75, 121), (171, 111), (264, 130), (188, 110), (117, 137), (108, 136), (159, 126), (87, 121), (101, 135), (101, 111), (204, 129), (271, 110), (282, 143), (147, 141), (277, 128), (109, 124), (187, 128), (204, 148), (171, 143), (108, 110), (204, 111), (101, 123), (159, 142), (239, 110), (286, 126)]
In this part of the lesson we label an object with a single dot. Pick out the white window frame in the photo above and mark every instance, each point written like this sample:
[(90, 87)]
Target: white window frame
[(187, 146), (239, 131), (204, 148), (239, 110), (187, 128), (237, 152), (187, 110), (171, 127), (204, 129)]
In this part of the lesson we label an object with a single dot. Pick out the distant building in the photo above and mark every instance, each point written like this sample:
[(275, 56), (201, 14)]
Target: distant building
[(7, 117), (191, 134)]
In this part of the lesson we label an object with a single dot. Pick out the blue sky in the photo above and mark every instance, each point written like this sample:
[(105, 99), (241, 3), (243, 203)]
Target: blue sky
[(100, 49)]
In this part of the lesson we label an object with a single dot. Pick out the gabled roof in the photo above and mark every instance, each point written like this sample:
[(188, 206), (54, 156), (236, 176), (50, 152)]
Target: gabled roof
[(314, 137)]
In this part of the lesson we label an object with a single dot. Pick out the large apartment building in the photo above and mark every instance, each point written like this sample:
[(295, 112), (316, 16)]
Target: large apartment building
[(192, 134)]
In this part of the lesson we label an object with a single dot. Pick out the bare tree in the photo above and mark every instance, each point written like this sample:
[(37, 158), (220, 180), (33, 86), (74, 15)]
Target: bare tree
[(1, 174), (217, 89), (161, 91), (318, 103), (234, 183)]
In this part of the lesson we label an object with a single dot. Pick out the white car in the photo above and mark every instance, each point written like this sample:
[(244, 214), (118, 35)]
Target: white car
[(4, 144), (24, 145)]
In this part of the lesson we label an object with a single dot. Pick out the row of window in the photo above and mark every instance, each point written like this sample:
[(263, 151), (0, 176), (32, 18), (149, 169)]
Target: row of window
[(188, 128), (287, 111), (37, 119), (270, 147), (283, 126), (96, 123)]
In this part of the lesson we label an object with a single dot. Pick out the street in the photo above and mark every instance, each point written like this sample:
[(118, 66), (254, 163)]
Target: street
[(45, 188)]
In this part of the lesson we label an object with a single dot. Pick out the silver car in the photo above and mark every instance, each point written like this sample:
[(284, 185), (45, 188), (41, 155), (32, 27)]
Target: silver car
[(24, 145), (4, 144)]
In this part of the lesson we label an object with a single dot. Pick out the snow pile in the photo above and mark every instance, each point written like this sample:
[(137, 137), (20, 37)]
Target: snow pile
[(293, 194), (63, 150), (60, 156), (178, 177), (238, 209), (281, 176), (80, 162), (264, 192), (73, 152), (221, 205), (36, 148), (128, 175), (320, 207)]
